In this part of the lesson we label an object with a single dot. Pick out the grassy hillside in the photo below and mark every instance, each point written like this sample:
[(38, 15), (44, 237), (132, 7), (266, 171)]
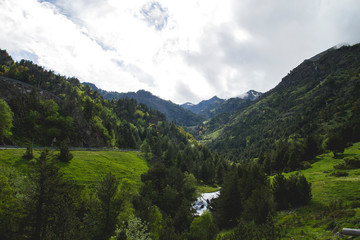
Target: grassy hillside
[(87, 167), (335, 204)]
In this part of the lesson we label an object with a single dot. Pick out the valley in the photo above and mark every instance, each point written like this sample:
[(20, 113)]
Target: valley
[(286, 161)]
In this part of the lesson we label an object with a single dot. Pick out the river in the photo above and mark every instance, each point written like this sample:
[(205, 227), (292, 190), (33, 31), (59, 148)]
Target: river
[(202, 202)]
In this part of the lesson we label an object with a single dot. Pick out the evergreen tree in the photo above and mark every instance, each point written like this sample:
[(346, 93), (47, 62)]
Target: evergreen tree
[(65, 154), (228, 206), (109, 206), (6, 120), (335, 143), (52, 206)]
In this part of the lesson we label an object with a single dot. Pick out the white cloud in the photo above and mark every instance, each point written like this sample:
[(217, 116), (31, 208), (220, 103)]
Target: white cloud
[(180, 50)]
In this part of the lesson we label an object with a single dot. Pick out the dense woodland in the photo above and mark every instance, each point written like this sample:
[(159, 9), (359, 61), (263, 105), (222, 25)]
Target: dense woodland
[(39, 203)]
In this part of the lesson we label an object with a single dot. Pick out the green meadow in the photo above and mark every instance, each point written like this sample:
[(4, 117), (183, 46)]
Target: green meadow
[(335, 203), (87, 167)]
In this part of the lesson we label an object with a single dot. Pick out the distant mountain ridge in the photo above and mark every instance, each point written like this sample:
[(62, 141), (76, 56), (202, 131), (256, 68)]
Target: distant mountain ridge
[(187, 114), (214, 106), (250, 95), (197, 108), (172, 111)]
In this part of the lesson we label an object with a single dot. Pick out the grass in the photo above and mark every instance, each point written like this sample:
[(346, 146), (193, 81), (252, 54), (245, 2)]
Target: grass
[(335, 204), (88, 167), (207, 189), (211, 136)]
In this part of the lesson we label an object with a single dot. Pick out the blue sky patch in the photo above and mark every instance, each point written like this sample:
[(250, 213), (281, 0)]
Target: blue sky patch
[(155, 15)]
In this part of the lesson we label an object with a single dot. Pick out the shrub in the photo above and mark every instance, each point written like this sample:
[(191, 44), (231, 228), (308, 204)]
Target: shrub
[(29, 153), (65, 155), (305, 165), (291, 192), (339, 173), (349, 163)]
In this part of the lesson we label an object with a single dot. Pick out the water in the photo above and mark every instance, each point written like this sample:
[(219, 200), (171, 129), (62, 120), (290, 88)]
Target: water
[(202, 202)]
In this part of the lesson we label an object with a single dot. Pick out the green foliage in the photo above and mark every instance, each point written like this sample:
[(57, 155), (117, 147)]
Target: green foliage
[(250, 231), (170, 191), (203, 228), (48, 206), (335, 143), (51, 206), (29, 153), (135, 229), (352, 162), (6, 120), (291, 192), (290, 156), (246, 195), (109, 206), (65, 155), (339, 173), (9, 208), (155, 223)]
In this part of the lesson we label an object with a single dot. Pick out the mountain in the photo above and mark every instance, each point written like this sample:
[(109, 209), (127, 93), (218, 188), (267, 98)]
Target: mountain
[(250, 95), (214, 106), (319, 97), (197, 108), (172, 111)]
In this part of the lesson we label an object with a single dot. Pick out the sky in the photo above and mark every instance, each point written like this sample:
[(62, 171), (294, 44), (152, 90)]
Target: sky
[(183, 51)]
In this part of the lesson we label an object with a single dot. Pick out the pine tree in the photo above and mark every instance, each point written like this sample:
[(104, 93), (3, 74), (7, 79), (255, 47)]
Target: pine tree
[(52, 207), (109, 206)]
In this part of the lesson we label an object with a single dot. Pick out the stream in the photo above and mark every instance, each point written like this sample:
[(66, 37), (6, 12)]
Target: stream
[(201, 203)]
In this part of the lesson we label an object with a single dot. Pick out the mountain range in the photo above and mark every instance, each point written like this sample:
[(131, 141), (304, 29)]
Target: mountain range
[(214, 106), (187, 114), (172, 111)]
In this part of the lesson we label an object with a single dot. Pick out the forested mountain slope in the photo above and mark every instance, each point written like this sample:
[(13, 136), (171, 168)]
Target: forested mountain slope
[(44, 105), (318, 98), (172, 111)]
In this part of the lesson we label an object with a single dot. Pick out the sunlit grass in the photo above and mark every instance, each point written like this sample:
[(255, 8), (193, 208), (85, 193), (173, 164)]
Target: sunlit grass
[(317, 220), (87, 167)]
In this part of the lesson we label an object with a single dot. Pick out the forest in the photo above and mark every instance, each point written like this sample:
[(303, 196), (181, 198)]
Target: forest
[(38, 202)]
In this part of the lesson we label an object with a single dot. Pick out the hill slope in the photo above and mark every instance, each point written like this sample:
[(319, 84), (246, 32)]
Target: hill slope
[(319, 96)]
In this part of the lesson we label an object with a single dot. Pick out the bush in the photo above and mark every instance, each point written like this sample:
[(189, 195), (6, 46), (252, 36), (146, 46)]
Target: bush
[(349, 163), (339, 173), (291, 192), (29, 153), (65, 155), (251, 231), (334, 205), (305, 165), (203, 227)]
